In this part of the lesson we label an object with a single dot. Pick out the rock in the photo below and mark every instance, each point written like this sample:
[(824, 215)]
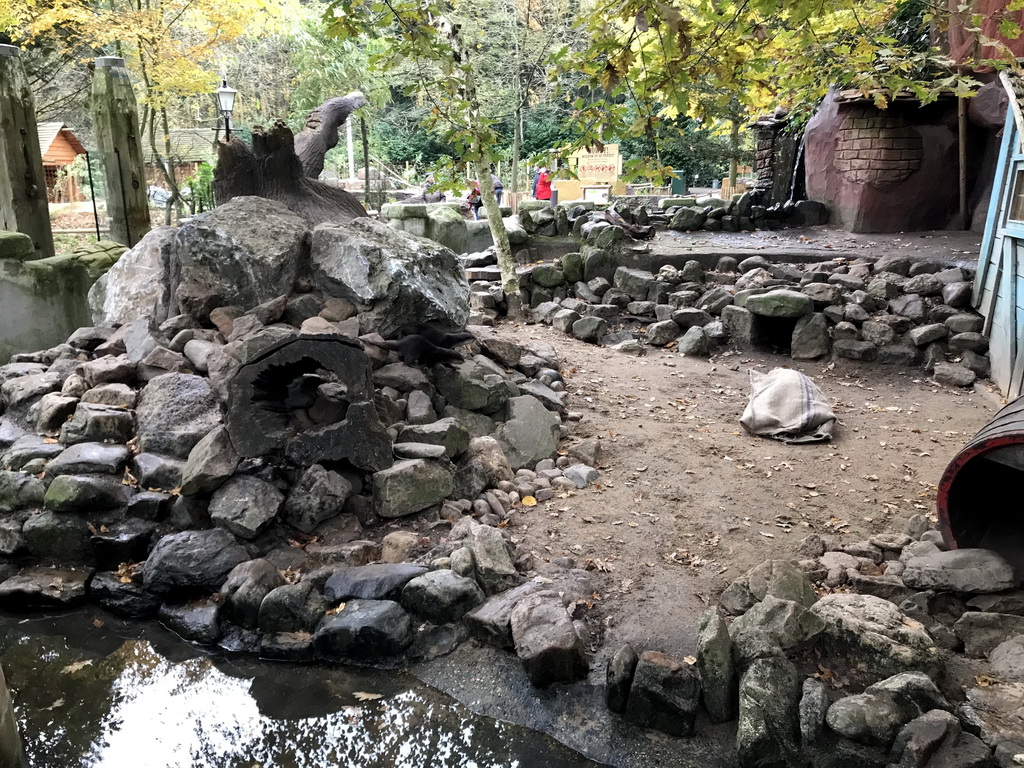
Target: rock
[(245, 252), (491, 622), (619, 678), (968, 342), (57, 537), (590, 329), (395, 278), (530, 434), (547, 643), (926, 334), (192, 562), (493, 566), (157, 472), (398, 546), (137, 285), (924, 285), (45, 588), (781, 579), (471, 386), (81, 493), (913, 693), (953, 375), (664, 695), (662, 333), (982, 632), (197, 622), (245, 589), (318, 495), (245, 505), (98, 423), (371, 582), (1007, 659), (694, 342), (210, 462), (810, 338), (874, 637), (788, 623), (581, 475), (965, 323), (114, 393), (865, 718), (409, 486), (174, 412), (769, 718), (780, 303), (441, 596), (855, 350), (447, 432), (814, 704), (919, 740), (1004, 602), (291, 608), (364, 629), (89, 458), (714, 663), (972, 571), (123, 542), (123, 598)]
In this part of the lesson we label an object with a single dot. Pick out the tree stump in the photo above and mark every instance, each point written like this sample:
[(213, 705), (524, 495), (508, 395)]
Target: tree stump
[(310, 399), (283, 167)]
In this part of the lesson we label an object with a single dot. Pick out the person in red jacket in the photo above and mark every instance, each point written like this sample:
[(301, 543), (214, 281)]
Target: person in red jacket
[(543, 185)]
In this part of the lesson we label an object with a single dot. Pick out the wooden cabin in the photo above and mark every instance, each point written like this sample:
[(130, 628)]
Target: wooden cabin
[(59, 148), (189, 148)]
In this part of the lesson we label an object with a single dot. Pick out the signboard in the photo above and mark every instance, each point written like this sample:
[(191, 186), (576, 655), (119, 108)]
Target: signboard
[(599, 166)]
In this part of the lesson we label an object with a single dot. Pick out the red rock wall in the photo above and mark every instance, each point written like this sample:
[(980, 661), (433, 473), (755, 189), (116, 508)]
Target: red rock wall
[(888, 170)]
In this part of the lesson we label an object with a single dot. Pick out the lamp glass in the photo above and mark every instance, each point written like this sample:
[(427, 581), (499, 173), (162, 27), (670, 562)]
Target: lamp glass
[(226, 98)]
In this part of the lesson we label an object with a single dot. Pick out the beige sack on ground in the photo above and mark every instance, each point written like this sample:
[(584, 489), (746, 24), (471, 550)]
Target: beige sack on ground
[(786, 405)]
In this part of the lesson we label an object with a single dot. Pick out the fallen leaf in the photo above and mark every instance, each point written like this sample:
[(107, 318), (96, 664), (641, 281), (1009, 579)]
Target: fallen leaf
[(529, 501), (70, 669), (336, 610), (363, 696), (57, 703)]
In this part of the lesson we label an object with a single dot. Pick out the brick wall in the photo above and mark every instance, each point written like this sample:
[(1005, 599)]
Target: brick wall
[(876, 148)]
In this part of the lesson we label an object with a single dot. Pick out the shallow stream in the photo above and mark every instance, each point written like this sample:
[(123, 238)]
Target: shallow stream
[(90, 690)]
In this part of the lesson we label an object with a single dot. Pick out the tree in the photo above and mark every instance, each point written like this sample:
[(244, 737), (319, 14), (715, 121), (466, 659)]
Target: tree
[(647, 63), (172, 45), (421, 35)]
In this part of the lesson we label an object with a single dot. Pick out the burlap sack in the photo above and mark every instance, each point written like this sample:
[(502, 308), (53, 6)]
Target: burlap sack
[(786, 405)]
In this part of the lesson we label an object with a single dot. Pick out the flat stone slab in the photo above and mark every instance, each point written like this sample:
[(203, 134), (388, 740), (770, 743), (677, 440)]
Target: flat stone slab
[(371, 582), (45, 588), (975, 571)]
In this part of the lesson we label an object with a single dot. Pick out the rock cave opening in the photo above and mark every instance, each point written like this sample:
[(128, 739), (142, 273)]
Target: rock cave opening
[(774, 334)]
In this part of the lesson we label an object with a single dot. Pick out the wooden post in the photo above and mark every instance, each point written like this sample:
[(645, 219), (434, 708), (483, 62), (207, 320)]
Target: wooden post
[(116, 125), (23, 204)]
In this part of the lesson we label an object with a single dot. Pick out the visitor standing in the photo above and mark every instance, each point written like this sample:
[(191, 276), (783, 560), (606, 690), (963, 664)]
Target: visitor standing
[(542, 190), (498, 188), (475, 200)]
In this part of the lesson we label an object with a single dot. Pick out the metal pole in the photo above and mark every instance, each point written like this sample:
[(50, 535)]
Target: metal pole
[(227, 128), (961, 113), (351, 150), (92, 192)]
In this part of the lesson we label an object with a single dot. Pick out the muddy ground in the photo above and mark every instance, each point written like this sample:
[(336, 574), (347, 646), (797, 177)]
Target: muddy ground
[(688, 501)]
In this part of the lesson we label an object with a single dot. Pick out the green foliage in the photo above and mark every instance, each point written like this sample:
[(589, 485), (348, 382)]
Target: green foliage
[(200, 184), (687, 147)]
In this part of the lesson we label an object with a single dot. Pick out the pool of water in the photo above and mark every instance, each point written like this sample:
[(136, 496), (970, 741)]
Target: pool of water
[(90, 690)]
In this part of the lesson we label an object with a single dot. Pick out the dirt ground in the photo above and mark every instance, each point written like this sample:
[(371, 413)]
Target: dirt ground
[(688, 500)]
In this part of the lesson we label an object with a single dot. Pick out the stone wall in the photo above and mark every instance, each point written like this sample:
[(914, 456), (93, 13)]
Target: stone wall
[(868, 164), (442, 223), (43, 301)]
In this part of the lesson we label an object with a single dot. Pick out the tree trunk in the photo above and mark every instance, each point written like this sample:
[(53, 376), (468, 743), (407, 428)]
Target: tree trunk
[(321, 131), (272, 169), (517, 146), (734, 151), (506, 262)]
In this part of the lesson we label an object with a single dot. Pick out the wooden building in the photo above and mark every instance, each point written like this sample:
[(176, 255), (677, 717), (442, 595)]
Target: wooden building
[(999, 284), (189, 148), (59, 148)]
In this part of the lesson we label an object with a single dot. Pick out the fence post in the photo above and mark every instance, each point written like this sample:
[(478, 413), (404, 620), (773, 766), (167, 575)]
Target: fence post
[(116, 125), (23, 203)]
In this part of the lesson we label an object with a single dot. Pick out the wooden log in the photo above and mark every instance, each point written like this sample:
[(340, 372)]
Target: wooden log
[(23, 204), (116, 125)]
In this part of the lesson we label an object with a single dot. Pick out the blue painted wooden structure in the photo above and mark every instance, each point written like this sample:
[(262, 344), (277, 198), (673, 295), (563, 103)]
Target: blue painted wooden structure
[(999, 284)]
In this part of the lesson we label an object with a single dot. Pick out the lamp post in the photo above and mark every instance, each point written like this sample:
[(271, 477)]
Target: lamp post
[(226, 104)]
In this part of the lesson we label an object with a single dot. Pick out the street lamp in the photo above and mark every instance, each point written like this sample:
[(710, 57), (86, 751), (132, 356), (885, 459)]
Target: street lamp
[(226, 104)]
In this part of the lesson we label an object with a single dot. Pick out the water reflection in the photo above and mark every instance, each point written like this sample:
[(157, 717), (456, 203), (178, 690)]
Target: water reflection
[(121, 697)]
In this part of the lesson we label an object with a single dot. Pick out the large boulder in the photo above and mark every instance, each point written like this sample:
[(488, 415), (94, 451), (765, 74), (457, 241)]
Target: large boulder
[(769, 715), (244, 252), (192, 562), (960, 570), (364, 629), (874, 637), (395, 278), (410, 486), (137, 285), (547, 643)]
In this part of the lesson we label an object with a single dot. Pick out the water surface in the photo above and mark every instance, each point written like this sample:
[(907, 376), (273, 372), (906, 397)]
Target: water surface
[(91, 690)]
